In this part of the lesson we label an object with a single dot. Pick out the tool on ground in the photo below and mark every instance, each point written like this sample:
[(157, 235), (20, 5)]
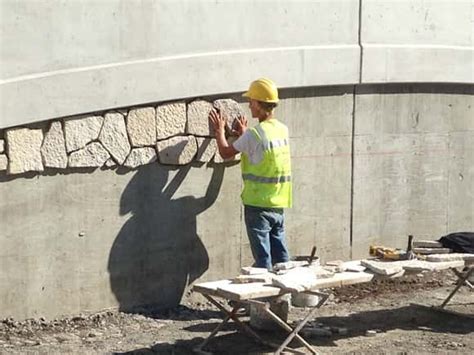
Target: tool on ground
[(393, 253), (313, 253)]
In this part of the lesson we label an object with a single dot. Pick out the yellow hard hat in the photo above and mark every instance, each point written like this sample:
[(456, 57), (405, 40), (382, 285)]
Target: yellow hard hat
[(262, 89)]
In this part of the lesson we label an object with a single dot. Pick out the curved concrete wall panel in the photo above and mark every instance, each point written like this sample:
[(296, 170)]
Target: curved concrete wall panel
[(92, 55), (417, 41)]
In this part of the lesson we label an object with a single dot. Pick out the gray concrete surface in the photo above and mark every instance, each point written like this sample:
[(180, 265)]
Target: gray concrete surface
[(413, 163), (62, 58), (93, 239)]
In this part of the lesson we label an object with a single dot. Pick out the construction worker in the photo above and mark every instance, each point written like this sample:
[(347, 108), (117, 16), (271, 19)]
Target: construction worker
[(266, 171)]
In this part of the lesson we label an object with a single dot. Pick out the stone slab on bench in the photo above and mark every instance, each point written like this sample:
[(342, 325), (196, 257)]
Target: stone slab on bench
[(427, 244)]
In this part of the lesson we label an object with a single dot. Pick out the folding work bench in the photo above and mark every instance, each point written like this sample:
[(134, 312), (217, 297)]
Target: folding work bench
[(260, 295)]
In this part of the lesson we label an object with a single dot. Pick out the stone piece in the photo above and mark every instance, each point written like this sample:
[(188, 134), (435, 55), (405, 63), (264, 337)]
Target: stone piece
[(425, 251), (114, 136), (198, 119), (468, 258), (24, 150), (2, 146), (207, 148), (382, 268), (53, 149), (140, 156), (170, 120), (141, 127), (230, 110), (110, 163), (296, 280), (250, 270), (177, 150), (93, 155), (81, 131), (427, 244), (3, 162)]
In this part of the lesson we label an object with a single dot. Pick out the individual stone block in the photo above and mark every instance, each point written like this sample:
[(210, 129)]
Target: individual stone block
[(177, 150), (23, 148), (53, 149), (207, 147), (92, 156), (113, 136), (3, 162), (2, 146), (140, 156), (230, 110), (170, 120), (141, 126), (198, 119), (81, 131)]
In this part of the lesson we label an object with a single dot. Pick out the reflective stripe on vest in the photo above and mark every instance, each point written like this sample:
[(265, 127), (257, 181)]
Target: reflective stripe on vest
[(266, 180), (268, 145)]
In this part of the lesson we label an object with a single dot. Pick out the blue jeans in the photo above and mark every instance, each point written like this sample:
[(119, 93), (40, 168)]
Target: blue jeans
[(266, 232)]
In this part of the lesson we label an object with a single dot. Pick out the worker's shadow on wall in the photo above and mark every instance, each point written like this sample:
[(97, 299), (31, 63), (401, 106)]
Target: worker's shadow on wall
[(157, 253)]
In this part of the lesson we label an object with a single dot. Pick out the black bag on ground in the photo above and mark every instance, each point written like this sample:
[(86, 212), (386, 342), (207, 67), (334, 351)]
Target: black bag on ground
[(461, 242)]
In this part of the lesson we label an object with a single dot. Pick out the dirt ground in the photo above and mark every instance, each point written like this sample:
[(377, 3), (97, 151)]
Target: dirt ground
[(389, 309)]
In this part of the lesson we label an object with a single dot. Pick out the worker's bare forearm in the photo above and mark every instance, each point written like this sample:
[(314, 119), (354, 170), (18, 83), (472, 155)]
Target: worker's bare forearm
[(226, 150)]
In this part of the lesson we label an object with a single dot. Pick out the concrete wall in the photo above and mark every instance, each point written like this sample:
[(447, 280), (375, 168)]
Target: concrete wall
[(372, 163), (63, 58)]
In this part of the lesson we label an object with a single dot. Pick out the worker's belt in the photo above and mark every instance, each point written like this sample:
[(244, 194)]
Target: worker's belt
[(267, 180)]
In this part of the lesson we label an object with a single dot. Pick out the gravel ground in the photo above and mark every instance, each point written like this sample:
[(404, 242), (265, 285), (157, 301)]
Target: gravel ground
[(382, 316)]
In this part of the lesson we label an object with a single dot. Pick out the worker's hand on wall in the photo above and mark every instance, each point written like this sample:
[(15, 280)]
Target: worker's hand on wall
[(240, 126), (217, 121)]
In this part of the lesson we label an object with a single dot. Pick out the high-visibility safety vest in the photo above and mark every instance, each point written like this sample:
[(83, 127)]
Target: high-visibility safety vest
[(268, 183)]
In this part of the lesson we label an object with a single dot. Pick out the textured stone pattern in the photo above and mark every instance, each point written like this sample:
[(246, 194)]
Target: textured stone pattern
[(177, 150), (23, 150), (172, 133), (230, 110), (141, 127), (170, 120), (140, 156), (114, 137), (53, 149), (198, 118), (93, 155), (81, 131)]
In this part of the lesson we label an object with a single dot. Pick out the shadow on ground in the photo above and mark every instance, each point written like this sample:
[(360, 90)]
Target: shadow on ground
[(408, 318)]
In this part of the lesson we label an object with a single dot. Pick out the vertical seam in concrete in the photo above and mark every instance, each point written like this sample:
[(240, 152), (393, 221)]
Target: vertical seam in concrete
[(361, 56), (351, 216)]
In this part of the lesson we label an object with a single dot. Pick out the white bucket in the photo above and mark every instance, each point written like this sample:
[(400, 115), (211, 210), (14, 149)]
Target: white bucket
[(304, 300)]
